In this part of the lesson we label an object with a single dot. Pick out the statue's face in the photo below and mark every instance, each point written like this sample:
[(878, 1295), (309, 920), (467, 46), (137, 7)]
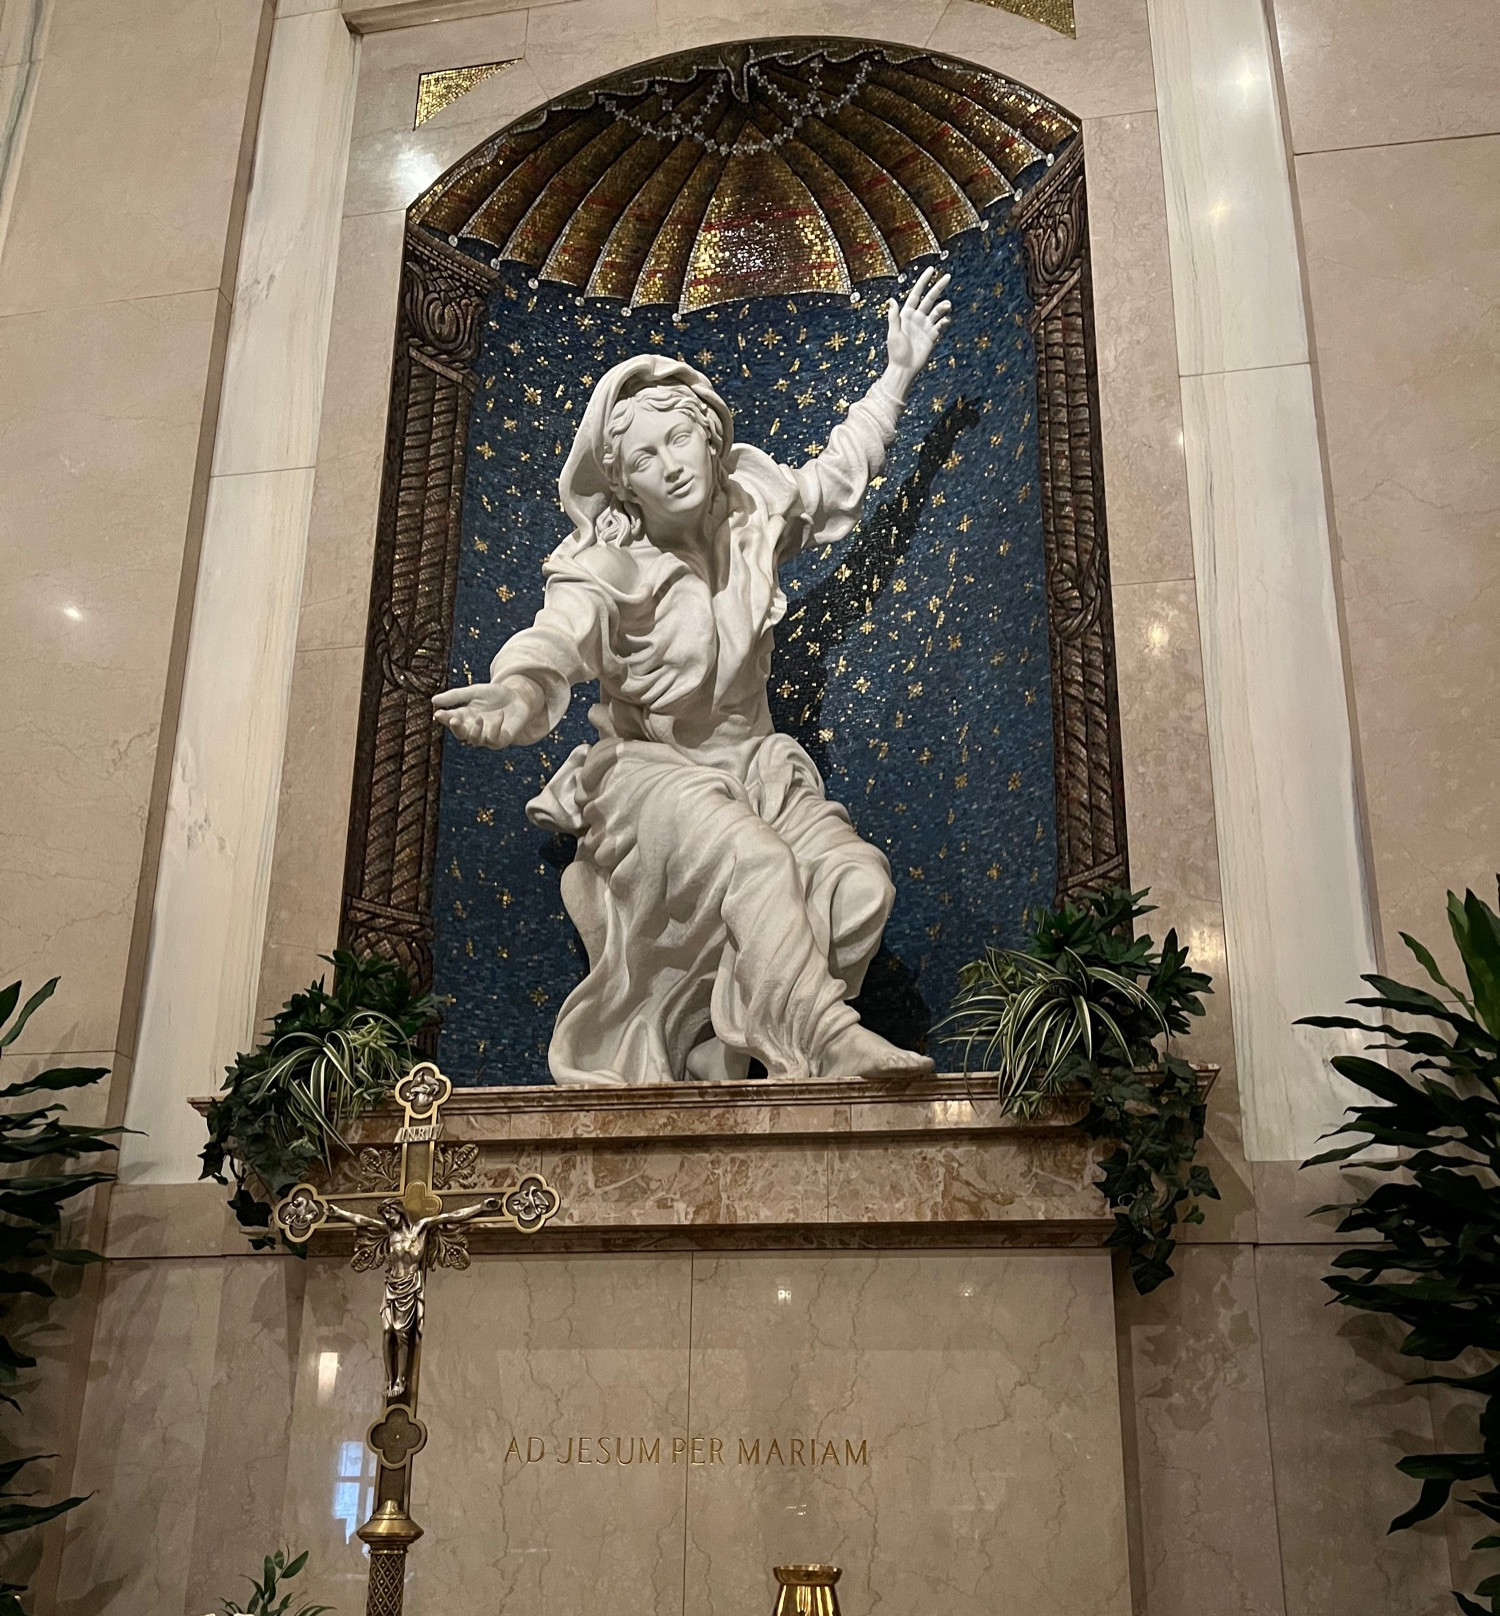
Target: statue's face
[(666, 467)]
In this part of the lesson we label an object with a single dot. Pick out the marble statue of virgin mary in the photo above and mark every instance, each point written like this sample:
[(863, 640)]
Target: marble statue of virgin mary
[(728, 908)]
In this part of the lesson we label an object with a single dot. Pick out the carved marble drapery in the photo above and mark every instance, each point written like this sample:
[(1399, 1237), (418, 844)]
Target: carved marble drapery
[(394, 820)]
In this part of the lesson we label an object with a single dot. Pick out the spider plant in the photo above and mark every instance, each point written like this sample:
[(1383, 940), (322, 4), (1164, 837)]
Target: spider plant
[(326, 1060), (1089, 1007), (319, 1080), (1035, 1021)]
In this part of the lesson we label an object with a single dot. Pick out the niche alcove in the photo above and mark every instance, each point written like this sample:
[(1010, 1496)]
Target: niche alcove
[(901, 1280), (749, 207)]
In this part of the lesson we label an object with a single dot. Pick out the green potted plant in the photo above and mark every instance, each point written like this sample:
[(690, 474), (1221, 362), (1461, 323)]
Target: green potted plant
[(328, 1057), (1088, 1010), (1430, 1229), (277, 1569), (38, 1151)]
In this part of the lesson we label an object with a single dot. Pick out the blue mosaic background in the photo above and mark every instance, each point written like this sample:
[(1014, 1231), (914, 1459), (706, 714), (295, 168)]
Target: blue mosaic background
[(930, 717)]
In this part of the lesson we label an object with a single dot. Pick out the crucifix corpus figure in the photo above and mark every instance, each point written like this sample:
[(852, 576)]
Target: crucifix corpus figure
[(407, 1247), (729, 910)]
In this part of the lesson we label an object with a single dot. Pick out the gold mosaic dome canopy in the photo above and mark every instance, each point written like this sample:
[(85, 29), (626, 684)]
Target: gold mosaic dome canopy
[(734, 173)]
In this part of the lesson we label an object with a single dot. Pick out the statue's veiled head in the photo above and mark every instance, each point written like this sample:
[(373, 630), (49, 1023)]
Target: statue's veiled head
[(649, 456), (663, 454)]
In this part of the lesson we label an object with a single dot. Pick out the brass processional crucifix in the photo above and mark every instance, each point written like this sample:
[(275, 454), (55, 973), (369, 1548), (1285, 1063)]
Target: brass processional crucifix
[(410, 1233)]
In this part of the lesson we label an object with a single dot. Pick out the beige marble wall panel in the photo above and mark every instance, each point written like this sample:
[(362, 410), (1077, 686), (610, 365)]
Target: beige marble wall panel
[(1104, 71), (649, 1183), (1195, 1395), (156, 1221), (1340, 1417), (390, 163), (351, 443), (341, 536), (313, 816), (1288, 1197), (1403, 260), (964, 1180), (98, 214), (1235, 273), (984, 1386), (100, 423), (335, 1398), (571, 44), (1164, 737), (1140, 407), (1374, 72), (285, 969), (1173, 848), (682, 24), (247, 1429), (559, 1349), (550, 1348), (141, 1445)]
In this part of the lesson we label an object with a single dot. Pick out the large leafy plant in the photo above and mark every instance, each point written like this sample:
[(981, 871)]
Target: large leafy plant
[(328, 1057), (1434, 1261), (1088, 1008), (37, 1151), (277, 1569)]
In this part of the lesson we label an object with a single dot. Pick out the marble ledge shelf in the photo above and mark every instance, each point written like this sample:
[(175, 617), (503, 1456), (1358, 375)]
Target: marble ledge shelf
[(948, 1102), (816, 1165)]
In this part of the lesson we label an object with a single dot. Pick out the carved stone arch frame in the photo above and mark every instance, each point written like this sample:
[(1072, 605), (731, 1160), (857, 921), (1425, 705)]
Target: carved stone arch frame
[(393, 825)]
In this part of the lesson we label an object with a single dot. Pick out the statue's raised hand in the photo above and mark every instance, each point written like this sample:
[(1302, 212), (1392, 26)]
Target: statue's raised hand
[(483, 714), (914, 326)]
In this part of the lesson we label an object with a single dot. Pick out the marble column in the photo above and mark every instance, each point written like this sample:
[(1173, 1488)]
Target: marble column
[(208, 920), (1296, 903)]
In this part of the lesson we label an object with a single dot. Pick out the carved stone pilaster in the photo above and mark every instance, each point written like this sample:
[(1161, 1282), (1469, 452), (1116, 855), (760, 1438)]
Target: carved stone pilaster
[(394, 819), (1087, 771)]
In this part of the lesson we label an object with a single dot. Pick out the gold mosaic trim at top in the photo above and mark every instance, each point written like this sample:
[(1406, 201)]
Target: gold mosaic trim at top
[(759, 170), (441, 89), (1056, 14)]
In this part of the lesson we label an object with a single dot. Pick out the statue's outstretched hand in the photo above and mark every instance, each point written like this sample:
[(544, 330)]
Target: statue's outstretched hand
[(914, 326), (483, 714)]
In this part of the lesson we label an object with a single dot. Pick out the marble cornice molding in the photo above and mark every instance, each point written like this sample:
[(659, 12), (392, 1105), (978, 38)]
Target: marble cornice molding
[(838, 1163), (380, 16)]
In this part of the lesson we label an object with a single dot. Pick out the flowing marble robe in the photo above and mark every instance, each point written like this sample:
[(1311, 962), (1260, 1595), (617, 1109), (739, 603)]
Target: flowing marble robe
[(727, 907)]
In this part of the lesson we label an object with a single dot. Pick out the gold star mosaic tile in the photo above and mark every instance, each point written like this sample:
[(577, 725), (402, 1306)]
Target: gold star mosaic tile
[(441, 89)]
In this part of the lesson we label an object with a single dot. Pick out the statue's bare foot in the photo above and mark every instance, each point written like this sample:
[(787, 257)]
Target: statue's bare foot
[(858, 1052)]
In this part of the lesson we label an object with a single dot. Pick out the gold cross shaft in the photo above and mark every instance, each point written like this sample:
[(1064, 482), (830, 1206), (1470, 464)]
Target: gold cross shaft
[(411, 1231)]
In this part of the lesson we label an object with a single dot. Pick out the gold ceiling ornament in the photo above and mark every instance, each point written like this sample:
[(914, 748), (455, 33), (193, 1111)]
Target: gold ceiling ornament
[(1056, 14), (441, 89), (750, 170)]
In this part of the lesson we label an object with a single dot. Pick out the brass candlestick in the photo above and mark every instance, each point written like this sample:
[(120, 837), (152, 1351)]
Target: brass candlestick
[(807, 1590), (410, 1233)]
